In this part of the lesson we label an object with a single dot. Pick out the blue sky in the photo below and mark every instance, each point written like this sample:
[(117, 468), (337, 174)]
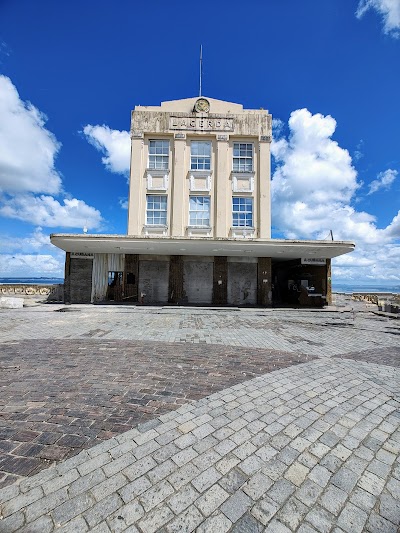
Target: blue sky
[(328, 71)]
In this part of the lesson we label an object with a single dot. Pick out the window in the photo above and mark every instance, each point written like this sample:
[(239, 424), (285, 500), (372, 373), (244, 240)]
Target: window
[(242, 212), (200, 155), (158, 155), (199, 211), (156, 213), (242, 157)]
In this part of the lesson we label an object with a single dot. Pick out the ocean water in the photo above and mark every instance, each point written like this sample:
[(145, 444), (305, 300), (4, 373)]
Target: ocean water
[(33, 281), (341, 287)]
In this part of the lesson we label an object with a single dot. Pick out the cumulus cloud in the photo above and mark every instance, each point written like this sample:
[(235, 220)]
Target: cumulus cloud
[(30, 265), (47, 211), (115, 144), (389, 11), (313, 186), (28, 149), (384, 181)]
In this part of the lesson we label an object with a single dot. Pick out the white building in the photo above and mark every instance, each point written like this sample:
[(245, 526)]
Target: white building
[(199, 219)]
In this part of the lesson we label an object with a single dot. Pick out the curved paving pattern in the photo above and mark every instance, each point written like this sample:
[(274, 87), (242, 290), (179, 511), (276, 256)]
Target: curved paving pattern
[(313, 447)]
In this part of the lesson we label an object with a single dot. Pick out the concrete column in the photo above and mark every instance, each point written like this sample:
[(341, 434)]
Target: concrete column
[(137, 189), (329, 281), (223, 190), (67, 279), (131, 267), (178, 192), (264, 285), (220, 281), (264, 187), (176, 293)]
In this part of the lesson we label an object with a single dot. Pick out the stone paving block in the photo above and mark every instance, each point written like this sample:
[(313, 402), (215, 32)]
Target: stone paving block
[(227, 463), (22, 500), (236, 506), (345, 479), (296, 473), (247, 524), (378, 523), (211, 500), (12, 523), (154, 520), (281, 490), (371, 483), (276, 526), (84, 483), (46, 504), (155, 495), (183, 475), (320, 519), (108, 486), (265, 510), (217, 523), (233, 480), (44, 524), (292, 513), (101, 510), (352, 519), (186, 521), (135, 488), (389, 508), (206, 479), (139, 468), (182, 498), (333, 499), (125, 516), (94, 463), (257, 485), (309, 492), (72, 508), (76, 525)]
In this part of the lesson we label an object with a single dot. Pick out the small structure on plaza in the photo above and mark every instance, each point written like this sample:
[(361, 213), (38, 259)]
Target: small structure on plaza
[(199, 219)]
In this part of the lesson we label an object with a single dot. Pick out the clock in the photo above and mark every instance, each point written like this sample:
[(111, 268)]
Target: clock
[(202, 106)]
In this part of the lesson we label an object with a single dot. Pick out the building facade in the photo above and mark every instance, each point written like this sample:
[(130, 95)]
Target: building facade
[(199, 219)]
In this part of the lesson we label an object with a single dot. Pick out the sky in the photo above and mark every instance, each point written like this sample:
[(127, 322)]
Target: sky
[(328, 71)]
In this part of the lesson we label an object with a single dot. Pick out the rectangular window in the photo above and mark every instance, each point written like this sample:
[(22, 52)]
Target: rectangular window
[(158, 155), (242, 212), (200, 155), (242, 157), (156, 212), (199, 211)]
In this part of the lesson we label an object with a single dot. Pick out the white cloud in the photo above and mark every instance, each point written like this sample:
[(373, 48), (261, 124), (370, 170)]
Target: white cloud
[(28, 149), (115, 144), (37, 240), (384, 181), (388, 9), (312, 189), (123, 202), (30, 266), (46, 211)]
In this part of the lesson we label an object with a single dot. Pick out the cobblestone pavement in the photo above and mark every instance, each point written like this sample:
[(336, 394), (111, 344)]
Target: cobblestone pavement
[(311, 444), (58, 399)]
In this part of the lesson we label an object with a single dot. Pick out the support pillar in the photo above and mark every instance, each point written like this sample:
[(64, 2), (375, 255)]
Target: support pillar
[(67, 280), (329, 281), (176, 294), (220, 281), (131, 277), (264, 285)]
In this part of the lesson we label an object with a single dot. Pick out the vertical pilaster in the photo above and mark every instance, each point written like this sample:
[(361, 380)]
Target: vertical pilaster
[(264, 285), (137, 188), (222, 190), (220, 281), (264, 187), (175, 283), (179, 201)]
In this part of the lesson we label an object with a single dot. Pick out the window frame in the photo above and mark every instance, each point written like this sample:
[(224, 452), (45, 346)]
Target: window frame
[(159, 160), (195, 159), (248, 215), (163, 199), (197, 212), (240, 162)]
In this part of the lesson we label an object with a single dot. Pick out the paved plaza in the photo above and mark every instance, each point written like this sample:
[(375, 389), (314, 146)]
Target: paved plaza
[(146, 419)]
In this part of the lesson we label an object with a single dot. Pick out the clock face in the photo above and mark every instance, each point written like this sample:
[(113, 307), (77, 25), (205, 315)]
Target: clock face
[(202, 105)]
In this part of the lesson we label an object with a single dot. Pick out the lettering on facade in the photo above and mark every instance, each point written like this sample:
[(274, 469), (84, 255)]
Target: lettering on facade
[(81, 255), (313, 261), (201, 124)]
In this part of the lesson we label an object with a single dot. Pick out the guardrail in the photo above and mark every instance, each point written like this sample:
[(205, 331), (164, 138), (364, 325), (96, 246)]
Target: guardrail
[(50, 292)]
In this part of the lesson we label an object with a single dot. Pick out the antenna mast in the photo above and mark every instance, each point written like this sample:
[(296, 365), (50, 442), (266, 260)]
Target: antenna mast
[(201, 67)]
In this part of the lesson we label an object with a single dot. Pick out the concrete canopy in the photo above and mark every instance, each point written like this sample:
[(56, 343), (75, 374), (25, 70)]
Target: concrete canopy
[(281, 249)]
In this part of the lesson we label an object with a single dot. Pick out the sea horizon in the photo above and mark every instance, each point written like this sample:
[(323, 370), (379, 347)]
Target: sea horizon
[(336, 287)]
